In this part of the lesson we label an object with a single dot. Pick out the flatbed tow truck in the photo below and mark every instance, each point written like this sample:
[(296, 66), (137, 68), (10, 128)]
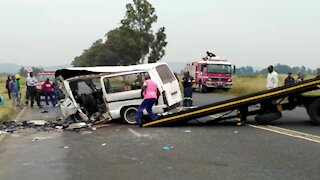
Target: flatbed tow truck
[(268, 106)]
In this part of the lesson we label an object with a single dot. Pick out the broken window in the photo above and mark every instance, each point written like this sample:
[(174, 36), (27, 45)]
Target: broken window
[(124, 83)]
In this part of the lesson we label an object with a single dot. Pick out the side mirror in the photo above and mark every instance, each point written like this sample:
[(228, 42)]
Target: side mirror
[(234, 69)]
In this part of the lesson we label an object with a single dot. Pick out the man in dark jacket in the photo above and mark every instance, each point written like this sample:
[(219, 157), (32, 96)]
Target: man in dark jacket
[(289, 79), (7, 86), (187, 82)]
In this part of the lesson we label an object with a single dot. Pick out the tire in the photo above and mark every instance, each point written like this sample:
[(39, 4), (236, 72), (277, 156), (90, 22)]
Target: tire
[(314, 112), (77, 116), (128, 115), (266, 118)]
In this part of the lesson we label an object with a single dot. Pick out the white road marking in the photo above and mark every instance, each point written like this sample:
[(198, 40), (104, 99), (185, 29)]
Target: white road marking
[(288, 132), (134, 132), (19, 115)]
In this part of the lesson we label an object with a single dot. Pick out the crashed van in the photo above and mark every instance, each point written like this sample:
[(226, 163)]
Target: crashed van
[(104, 93)]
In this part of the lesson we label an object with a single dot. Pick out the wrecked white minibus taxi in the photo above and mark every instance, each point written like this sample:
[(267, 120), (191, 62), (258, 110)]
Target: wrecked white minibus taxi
[(106, 93)]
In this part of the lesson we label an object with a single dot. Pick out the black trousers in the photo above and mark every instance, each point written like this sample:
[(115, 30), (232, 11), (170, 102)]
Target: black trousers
[(33, 95), (187, 100)]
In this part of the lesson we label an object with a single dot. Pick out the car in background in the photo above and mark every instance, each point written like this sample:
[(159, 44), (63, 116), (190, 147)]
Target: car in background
[(41, 77)]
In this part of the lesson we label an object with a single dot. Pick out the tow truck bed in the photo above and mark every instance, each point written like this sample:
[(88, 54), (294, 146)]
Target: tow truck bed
[(264, 98)]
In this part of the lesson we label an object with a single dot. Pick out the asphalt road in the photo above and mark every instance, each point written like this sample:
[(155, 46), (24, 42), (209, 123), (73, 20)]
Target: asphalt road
[(221, 151)]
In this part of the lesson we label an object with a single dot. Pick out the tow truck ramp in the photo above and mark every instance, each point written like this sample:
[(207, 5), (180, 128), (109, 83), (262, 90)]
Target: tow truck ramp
[(265, 99)]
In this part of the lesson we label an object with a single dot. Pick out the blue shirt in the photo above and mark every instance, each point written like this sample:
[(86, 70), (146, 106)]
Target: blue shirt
[(13, 87)]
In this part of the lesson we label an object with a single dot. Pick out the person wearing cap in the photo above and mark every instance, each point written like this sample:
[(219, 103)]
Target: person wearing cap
[(272, 78), (289, 79), (18, 77)]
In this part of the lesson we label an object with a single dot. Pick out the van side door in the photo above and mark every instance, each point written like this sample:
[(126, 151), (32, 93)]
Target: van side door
[(123, 90)]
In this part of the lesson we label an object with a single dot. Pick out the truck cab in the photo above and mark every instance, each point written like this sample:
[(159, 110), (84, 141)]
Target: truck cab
[(211, 73)]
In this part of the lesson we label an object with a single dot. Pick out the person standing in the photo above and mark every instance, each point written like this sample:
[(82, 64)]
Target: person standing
[(187, 82), (289, 79), (27, 90), (15, 97), (32, 90), (272, 79), (7, 86), (48, 91), (18, 77), (300, 77), (150, 93), (56, 90)]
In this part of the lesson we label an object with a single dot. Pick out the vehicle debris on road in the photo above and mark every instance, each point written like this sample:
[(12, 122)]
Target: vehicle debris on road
[(43, 125)]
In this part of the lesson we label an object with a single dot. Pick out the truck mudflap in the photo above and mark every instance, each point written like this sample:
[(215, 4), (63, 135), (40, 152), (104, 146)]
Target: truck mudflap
[(237, 103)]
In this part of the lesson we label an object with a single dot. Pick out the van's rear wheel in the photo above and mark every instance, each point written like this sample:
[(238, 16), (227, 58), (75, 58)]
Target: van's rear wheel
[(129, 115), (314, 112)]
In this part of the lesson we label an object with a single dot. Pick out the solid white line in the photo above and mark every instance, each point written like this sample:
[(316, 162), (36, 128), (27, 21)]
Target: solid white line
[(21, 112), (134, 132), (289, 132)]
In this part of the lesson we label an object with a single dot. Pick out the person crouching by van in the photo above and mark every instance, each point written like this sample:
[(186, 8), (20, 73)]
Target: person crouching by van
[(187, 82), (150, 95), (48, 91)]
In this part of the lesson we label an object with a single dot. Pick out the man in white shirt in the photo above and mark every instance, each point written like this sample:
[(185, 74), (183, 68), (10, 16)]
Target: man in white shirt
[(272, 79), (31, 84)]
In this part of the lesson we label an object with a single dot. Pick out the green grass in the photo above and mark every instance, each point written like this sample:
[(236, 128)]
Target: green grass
[(7, 112), (243, 85)]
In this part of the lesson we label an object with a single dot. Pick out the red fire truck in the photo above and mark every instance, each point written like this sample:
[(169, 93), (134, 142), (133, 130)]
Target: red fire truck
[(211, 72)]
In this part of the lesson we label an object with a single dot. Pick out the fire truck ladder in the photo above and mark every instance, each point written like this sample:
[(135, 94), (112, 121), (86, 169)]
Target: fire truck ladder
[(241, 104)]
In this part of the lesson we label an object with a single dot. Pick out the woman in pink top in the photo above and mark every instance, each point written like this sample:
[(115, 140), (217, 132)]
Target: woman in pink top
[(150, 93)]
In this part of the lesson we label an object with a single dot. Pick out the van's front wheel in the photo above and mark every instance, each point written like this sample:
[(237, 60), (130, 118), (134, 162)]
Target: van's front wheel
[(129, 115)]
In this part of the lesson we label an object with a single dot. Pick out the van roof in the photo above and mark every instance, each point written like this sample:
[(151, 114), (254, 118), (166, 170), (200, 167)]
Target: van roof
[(90, 76), (79, 71)]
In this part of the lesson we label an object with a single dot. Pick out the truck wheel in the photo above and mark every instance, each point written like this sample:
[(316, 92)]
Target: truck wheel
[(129, 115), (266, 118), (314, 112)]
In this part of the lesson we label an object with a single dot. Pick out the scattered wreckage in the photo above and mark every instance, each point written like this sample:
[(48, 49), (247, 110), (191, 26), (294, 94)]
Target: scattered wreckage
[(95, 94), (43, 125)]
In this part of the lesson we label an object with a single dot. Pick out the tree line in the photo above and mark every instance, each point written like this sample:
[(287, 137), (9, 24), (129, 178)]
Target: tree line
[(133, 42), (24, 72), (279, 68)]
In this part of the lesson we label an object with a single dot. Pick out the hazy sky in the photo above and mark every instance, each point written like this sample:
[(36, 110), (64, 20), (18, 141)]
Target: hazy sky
[(246, 32)]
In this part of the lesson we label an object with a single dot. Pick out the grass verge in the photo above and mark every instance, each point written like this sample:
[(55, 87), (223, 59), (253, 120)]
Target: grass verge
[(7, 112)]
